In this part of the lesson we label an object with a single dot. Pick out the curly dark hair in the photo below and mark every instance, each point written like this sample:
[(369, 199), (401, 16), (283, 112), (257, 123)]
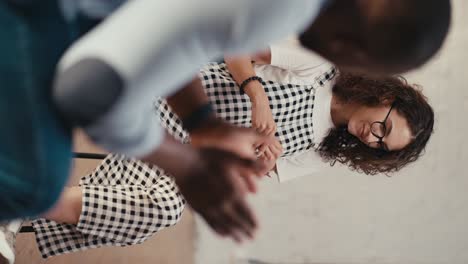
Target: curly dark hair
[(340, 146)]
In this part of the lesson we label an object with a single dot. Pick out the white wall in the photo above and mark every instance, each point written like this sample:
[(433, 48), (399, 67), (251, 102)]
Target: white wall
[(418, 216)]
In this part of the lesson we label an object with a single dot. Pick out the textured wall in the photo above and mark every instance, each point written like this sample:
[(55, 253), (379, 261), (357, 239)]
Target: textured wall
[(417, 216)]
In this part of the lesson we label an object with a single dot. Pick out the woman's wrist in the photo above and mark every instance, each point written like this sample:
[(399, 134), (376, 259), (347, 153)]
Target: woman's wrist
[(198, 117), (175, 158), (256, 92)]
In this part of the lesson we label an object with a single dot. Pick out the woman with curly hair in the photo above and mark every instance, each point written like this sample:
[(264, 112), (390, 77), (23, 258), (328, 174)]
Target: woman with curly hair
[(308, 112), (363, 141), (370, 124)]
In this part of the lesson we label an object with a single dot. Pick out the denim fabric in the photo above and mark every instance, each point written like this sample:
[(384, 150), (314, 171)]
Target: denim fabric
[(35, 149)]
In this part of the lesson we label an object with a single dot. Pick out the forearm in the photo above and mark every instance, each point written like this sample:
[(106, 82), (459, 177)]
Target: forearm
[(241, 68), (188, 99), (263, 57), (175, 158)]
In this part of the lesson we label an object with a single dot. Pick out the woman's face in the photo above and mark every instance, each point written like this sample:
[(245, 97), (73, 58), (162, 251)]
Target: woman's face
[(398, 133)]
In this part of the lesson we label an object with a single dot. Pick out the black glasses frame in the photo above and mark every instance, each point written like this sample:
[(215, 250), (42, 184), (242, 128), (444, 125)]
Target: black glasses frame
[(381, 126)]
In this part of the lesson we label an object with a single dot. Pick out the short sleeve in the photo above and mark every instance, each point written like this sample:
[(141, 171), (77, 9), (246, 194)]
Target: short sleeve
[(289, 55), (298, 165)]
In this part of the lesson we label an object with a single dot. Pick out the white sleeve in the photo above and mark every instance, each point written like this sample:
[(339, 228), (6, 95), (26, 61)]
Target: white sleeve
[(298, 165), (294, 58), (158, 46)]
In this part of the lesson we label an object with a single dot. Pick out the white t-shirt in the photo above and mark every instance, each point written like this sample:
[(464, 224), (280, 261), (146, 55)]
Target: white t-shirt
[(158, 46), (290, 63)]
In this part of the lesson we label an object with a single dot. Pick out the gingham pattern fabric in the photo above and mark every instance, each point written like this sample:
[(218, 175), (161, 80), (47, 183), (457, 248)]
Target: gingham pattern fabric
[(125, 202), (291, 105)]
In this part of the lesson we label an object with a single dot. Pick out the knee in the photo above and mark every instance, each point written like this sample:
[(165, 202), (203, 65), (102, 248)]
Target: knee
[(171, 208), (26, 200)]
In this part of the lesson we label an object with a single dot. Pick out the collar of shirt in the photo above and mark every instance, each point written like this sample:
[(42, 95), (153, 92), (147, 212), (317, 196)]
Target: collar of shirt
[(322, 121)]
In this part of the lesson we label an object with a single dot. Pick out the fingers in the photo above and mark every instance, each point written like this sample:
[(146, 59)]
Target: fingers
[(232, 226), (262, 148), (244, 168), (265, 129), (242, 143), (268, 153), (226, 178), (250, 183), (261, 128), (239, 216), (276, 149), (235, 219), (269, 149), (218, 226), (245, 177), (251, 168), (239, 220), (246, 218), (270, 130), (223, 226)]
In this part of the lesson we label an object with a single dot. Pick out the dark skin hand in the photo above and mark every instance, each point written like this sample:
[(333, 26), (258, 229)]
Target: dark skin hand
[(214, 179), (213, 183), (222, 202), (214, 132), (222, 135)]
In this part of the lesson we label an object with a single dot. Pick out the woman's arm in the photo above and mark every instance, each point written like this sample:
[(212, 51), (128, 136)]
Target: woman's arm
[(241, 68), (263, 57)]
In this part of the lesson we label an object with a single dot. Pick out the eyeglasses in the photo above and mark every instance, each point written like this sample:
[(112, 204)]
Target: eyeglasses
[(379, 130)]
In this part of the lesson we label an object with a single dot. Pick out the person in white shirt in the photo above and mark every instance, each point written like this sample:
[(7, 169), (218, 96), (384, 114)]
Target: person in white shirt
[(294, 104)]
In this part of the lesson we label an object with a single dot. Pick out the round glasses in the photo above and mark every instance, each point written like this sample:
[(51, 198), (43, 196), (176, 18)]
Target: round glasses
[(379, 130)]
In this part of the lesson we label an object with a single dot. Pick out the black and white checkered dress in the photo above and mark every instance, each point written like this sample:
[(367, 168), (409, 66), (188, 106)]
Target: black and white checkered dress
[(125, 201), (291, 105)]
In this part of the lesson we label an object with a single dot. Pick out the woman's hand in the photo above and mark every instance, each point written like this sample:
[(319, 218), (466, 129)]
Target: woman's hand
[(214, 182), (262, 117), (269, 148), (241, 69), (268, 165)]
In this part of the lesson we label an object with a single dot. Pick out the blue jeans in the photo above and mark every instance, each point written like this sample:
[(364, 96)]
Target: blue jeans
[(35, 146)]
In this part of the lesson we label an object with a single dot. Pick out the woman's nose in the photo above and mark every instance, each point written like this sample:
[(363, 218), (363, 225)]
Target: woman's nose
[(366, 136)]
